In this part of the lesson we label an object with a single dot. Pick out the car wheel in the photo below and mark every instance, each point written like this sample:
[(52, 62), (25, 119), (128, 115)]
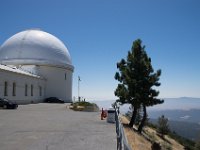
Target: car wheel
[(5, 106)]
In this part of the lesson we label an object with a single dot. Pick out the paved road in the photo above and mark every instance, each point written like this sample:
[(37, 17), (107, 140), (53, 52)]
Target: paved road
[(53, 127)]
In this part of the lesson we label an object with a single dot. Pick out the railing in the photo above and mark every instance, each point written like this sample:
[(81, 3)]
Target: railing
[(122, 143)]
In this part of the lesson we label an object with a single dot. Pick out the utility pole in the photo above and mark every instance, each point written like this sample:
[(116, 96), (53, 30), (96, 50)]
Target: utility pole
[(79, 79)]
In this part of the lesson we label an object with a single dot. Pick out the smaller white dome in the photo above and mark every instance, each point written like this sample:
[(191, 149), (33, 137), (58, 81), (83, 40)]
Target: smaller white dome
[(35, 47)]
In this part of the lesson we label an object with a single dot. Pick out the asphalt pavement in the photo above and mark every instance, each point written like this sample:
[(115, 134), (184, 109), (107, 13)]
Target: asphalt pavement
[(54, 127)]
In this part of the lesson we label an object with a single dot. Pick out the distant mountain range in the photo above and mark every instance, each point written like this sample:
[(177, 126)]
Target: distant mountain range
[(183, 103), (192, 115)]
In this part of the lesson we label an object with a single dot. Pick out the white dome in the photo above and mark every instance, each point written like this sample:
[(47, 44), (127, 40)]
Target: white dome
[(35, 47)]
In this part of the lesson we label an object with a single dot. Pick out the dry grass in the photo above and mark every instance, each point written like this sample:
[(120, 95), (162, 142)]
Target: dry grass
[(166, 142), (138, 142), (176, 145)]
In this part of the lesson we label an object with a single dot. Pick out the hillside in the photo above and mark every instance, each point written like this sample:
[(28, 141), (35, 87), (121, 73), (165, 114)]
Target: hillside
[(185, 129), (138, 142)]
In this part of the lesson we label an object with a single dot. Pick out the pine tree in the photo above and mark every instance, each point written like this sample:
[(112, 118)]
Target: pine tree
[(163, 126), (137, 77), (127, 89), (197, 144), (148, 94)]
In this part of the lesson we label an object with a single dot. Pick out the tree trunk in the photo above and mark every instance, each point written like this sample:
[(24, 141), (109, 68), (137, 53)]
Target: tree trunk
[(132, 121), (143, 119)]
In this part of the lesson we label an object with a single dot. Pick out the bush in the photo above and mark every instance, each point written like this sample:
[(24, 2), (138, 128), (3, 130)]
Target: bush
[(163, 126), (84, 106), (155, 146)]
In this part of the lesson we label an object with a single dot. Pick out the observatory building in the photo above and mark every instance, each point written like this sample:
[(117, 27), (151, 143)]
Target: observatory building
[(35, 65)]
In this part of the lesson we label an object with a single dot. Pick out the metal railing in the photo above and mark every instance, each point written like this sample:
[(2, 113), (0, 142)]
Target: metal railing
[(122, 143)]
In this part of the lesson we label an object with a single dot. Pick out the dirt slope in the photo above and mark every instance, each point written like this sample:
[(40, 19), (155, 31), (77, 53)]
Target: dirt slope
[(138, 142)]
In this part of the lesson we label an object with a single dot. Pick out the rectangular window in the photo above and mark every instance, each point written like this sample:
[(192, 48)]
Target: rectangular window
[(40, 90), (14, 89), (31, 90), (5, 88), (26, 90)]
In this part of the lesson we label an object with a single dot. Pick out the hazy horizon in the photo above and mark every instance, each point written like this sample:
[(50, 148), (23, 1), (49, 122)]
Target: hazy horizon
[(182, 103)]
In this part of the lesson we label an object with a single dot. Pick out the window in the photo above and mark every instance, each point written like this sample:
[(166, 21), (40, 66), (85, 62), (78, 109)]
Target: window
[(14, 89), (26, 90), (5, 88), (31, 89), (65, 76), (40, 90)]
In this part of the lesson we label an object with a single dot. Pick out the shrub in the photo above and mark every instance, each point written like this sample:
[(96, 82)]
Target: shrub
[(163, 126)]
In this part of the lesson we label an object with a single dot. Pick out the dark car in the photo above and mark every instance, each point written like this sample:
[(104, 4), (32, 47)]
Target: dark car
[(53, 100), (7, 104)]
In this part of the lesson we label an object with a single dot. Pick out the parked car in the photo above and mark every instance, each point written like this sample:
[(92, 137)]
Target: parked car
[(53, 100), (7, 104)]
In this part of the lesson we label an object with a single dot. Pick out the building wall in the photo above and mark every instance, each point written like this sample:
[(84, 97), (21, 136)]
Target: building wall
[(20, 81), (58, 82)]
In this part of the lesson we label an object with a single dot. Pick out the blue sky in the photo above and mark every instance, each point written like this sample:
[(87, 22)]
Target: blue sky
[(98, 33)]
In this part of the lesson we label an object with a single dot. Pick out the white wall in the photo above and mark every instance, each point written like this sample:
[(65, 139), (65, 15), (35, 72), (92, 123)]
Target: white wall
[(56, 83), (21, 80)]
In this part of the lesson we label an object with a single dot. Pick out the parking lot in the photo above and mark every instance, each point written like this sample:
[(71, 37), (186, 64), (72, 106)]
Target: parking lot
[(54, 127)]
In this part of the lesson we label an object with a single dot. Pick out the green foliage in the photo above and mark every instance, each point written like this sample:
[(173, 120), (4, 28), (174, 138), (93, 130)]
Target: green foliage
[(163, 126), (197, 145), (155, 146), (83, 104), (136, 81)]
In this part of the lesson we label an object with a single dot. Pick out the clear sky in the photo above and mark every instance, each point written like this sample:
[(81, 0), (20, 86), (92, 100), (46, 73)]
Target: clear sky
[(98, 33)]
